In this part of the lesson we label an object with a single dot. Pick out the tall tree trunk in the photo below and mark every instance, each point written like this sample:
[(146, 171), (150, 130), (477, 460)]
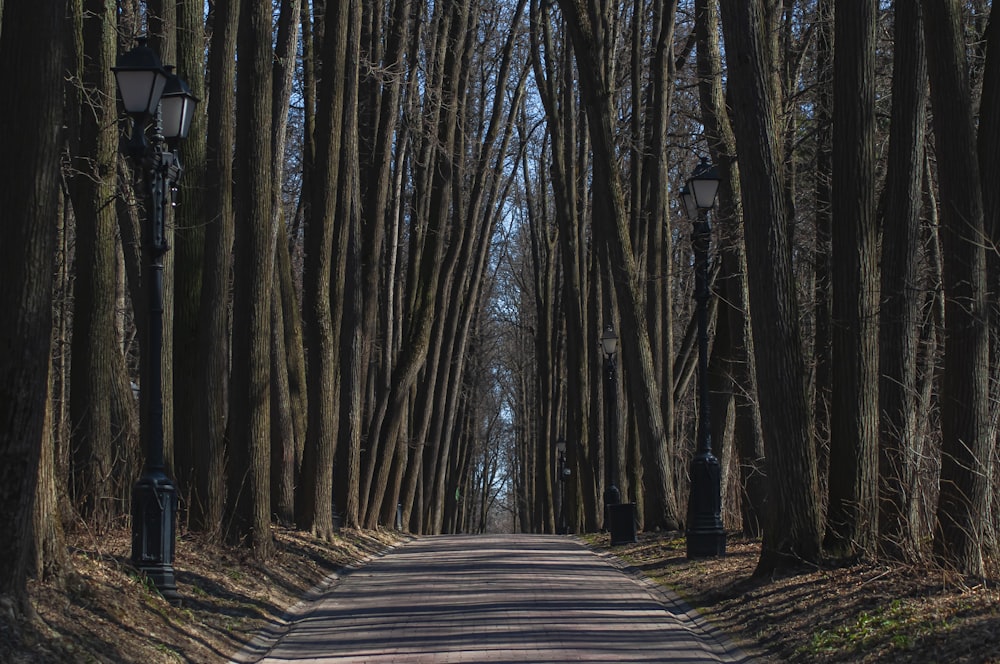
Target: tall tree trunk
[(348, 253), (822, 249), (30, 62), (964, 390), (901, 299), (314, 504), (207, 496), (792, 527), (852, 511), (92, 191), (284, 442), (250, 430), (191, 220)]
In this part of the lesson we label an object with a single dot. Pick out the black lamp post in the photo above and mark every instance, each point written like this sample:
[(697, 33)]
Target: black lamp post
[(609, 344), (706, 536), (561, 486), (152, 95), (563, 473), (619, 517)]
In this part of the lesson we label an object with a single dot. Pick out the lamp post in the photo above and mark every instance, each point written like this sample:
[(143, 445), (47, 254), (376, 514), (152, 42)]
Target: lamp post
[(153, 96), (612, 496), (706, 536), (563, 473), (619, 517)]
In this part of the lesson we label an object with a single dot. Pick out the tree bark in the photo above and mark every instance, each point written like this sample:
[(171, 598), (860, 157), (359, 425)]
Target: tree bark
[(314, 504), (211, 413), (964, 388), (30, 62), (852, 510), (792, 526), (901, 299), (250, 428)]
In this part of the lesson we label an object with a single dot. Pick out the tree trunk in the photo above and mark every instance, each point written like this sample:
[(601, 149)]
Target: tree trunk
[(852, 511), (191, 220), (250, 428), (792, 527), (964, 389), (314, 504), (211, 413), (30, 62), (92, 190), (901, 298)]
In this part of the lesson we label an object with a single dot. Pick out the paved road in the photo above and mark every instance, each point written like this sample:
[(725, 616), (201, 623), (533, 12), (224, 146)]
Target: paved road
[(513, 598)]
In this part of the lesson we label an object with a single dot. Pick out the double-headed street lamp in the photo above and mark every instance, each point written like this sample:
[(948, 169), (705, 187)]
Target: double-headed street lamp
[(619, 517), (153, 96), (705, 534)]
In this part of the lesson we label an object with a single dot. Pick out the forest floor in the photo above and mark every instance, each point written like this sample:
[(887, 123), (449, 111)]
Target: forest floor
[(861, 613), (107, 614)]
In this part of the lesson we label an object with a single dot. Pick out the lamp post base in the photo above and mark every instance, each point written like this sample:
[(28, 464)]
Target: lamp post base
[(706, 544), (154, 517), (621, 523), (706, 537)]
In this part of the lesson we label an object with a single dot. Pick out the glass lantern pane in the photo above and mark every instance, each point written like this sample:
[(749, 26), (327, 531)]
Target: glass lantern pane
[(172, 116), (704, 191), (140, 89)]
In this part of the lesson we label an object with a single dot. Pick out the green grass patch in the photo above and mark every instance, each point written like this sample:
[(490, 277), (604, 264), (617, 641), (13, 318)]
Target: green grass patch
[(895, 626)]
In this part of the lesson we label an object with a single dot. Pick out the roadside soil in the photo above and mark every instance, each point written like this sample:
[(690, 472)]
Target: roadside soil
[(861, 613), (106, 613)]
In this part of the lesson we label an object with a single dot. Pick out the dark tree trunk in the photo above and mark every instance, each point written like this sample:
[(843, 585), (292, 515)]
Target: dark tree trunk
[(852, 511), (314, 504), (92, 190), (792, 526), (901, 298), (250, 428), (30, 62), (191, 220), (208, 494), (964, 389)]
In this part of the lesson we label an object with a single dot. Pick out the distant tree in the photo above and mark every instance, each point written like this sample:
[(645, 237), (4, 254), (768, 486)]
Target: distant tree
[(587, 24)]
